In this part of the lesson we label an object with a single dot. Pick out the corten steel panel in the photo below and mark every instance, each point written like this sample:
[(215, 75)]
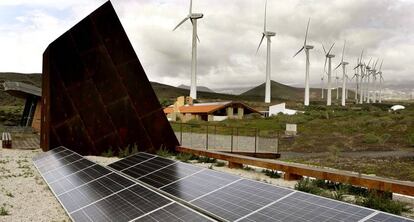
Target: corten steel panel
[(96, 94)]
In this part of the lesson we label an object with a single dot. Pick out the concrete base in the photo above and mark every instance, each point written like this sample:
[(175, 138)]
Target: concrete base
[(291, 176), (233, 165)]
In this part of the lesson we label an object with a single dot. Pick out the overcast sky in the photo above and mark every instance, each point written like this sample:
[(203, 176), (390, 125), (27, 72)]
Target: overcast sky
[(229, 32)]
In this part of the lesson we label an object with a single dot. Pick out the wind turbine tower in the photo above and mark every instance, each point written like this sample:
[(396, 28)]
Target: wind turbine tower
[(306, 48), (193, 18), (343, 64), (268, 35), (328, 57)]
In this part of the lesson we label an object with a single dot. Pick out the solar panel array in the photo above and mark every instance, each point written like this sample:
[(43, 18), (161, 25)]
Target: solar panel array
[(90, 192), (233, 198)]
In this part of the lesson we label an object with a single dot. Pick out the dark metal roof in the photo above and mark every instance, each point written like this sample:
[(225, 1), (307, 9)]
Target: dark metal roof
[(22, 90)]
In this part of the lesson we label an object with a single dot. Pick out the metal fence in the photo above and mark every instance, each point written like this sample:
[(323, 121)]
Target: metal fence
[(223, 138)]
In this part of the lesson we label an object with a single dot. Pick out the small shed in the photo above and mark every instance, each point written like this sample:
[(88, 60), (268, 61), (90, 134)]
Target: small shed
[(32, 108)]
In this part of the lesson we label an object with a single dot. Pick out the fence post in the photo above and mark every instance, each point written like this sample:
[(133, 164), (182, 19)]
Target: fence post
[(278, 143), (255, 141), (215, 135), (231, 148), (237, 137), (207, 137), (181, 133)]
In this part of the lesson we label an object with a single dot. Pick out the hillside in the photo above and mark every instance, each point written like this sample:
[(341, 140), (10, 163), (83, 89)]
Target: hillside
[(167, 94), (287, 93), (199, 88)]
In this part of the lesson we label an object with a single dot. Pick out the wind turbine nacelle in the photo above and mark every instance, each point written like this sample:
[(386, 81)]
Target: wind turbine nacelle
[(345, 63), (309, 47), (267, 33), (196, 15), (330, 55)]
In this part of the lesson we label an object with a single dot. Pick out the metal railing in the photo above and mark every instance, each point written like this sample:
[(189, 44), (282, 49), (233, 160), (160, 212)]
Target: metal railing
[(224, 138)]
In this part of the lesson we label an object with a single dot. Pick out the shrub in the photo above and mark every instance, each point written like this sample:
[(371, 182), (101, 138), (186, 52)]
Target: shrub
[(271, 173), (123, 153), (220, 164), (164, 152), (382, 203), (371, 138), (4, 211), (108, 153), (184, 157), (204, 159), (411, 139), (307, 185)]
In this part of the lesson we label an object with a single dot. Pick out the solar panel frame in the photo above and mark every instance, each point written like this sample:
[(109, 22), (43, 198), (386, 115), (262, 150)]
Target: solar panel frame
[(114, 172)]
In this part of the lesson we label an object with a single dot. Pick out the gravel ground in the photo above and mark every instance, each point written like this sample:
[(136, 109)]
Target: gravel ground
[(23, 192)]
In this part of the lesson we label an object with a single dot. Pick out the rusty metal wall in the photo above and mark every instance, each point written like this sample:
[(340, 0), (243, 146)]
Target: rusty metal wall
[(96, 94)]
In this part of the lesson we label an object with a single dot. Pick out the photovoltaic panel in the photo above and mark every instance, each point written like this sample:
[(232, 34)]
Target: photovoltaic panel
[(90, 192), (130, 161), (232, 198), (304, 207), (169, 174), (199, 184), (173, 213), (382, 217), (239, 199), (147, 167)]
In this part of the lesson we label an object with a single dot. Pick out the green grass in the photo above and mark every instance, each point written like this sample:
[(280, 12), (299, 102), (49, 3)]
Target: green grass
[(4, 211)]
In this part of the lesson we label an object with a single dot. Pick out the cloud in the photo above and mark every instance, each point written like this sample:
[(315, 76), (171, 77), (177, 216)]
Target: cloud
[(229, 32)]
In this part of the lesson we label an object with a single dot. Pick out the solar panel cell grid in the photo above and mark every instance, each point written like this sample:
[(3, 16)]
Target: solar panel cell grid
[(130, 161), (124, 206), (147, 167), (53, 164), (304, 207), (240, 199), (199, 184), (381, 217), (66, 170), (170, 174), (173, 213)]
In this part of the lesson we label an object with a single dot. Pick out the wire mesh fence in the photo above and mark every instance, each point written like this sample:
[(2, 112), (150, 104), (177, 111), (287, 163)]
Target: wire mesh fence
[(223, 138)]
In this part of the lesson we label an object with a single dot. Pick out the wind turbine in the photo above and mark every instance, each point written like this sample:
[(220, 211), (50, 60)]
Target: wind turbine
[(367, 69), (329, 57), (307, 48), (343, 63), (380, 83), (193, 18), (374, 78), (268, 35), (357, 75)]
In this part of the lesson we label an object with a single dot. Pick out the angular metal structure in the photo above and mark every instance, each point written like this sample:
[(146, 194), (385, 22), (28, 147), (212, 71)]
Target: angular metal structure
[(95, 93)]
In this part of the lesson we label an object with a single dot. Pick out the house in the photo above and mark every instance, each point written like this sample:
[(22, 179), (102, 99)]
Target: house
[(32, 108), (185, 110)]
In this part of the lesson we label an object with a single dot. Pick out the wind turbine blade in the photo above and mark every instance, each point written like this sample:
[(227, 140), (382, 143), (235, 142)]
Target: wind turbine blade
[(324, 66), (198, 38), (331, 47), (343, 51), (300, 50), (360, 60), (306, 35), (191, 7), (381, 65), (261, 40), (324, 49), (338, 65), (185, 19), (264, 28), (369, 61), (376, 63)]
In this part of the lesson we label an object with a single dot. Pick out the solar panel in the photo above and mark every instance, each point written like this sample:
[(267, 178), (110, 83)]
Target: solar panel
[(233, 198), (90, 192)]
